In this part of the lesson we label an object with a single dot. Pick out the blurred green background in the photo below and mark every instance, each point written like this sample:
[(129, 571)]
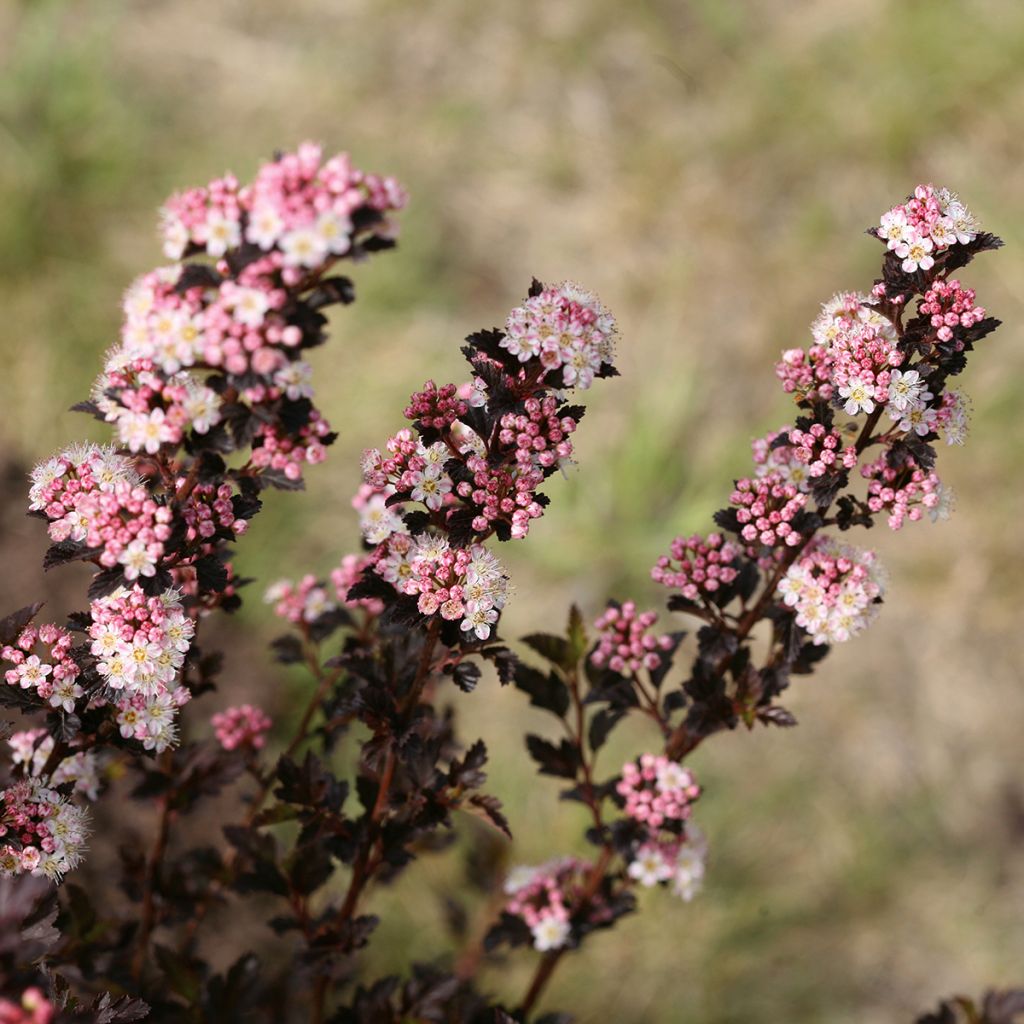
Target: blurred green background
[(708, 167)]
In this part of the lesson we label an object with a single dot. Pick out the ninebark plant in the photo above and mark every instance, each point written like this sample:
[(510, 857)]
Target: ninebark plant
[(209, 398)]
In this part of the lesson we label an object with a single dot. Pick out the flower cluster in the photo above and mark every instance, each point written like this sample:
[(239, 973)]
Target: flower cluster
[(798, 456), (436, 408), (40, 832), (301, 211), (140, 643), (150, 410), (243, 726), (346, 575), (563, 329), (950, 306), (53, 674), (765, 510), (544, 897), (466, 584), (31, 748), (925, 226), (304, 601), (93, 497), (697, 565), (904, 491), (835, 590), (656, 791), (32, 1008), (625, 644), (671, 858), (410, 468)]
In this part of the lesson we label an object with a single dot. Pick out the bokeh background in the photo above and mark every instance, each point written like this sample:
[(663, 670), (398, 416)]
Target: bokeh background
[(708, 167)]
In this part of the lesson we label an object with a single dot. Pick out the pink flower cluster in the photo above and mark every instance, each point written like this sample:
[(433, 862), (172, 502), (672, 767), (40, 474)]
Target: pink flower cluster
[(92, 496), (243, 726), (834, 588), (33, 1008), (545, 897), (806, 374), (458, 583), (765, 509), (819, 449), (300, 210), (304, 601), (625, 643), (287, 453), (32, 748), (45, 835), (410, 468), (347, 575), (209, 509), (949, 305), (565, 329), (862, 358), (697, 565), (52, 675), (904, 492), (671, 858), (925, 226), (149, 410), (140, 643), (436, 408), (657, 791)]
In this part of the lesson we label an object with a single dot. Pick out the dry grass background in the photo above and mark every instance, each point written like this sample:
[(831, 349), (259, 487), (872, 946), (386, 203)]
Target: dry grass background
[(708, 167)]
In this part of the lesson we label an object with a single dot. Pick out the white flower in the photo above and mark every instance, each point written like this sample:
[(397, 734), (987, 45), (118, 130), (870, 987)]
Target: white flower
[(894, 229), (295, 379), (906, 391), (175, 236), (859, 396), (519, 878), (222, 233), (431, 490), (650, 867), (334, 232), (264, 228), (250, 306), (550, 933), (919, 421), (916, 253), (202, 407), (137, 560), (480, 620), (303, 247)]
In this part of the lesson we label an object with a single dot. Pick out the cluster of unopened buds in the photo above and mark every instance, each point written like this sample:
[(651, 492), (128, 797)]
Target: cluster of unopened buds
[(53, 674), (40, 832), (31, 749), (242, 726), (950, 306), (32, 1008), (697, 565), (466, 584), (678, 859), (906, 492), (625, 644), (925, 226), (765, 509), (545, 897), (834, 588), (657, 791), (563, 328)]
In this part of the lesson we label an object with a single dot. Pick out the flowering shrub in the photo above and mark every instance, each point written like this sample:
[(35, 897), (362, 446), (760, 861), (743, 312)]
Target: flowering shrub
[(210, 402)]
